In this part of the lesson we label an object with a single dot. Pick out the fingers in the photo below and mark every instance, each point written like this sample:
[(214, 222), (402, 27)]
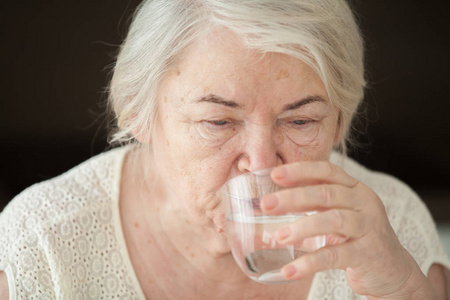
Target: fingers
[(346, 212), (309, 172), (315, 197), (334, 257), (338, 222)]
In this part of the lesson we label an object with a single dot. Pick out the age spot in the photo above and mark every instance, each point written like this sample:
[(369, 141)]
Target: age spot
[(282, 74), (178, 72), (280, 138)]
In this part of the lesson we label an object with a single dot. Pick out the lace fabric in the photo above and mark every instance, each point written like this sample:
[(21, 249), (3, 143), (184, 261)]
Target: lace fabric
[(62, 239)]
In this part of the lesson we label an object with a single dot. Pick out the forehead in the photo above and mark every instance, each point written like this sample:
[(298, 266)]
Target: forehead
[(220, 64), (223, 52)]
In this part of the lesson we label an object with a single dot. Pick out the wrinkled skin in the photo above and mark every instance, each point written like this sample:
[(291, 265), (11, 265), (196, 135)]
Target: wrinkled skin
[(226, 110), (375, 262)]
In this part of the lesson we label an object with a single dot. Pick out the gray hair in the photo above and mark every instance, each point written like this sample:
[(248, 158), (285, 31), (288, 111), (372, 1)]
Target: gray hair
[(321, 33)]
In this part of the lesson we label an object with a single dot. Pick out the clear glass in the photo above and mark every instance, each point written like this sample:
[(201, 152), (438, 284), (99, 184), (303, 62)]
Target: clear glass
[(251, 233)]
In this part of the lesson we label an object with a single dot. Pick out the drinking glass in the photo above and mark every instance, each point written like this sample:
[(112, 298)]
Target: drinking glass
[(251, 232)]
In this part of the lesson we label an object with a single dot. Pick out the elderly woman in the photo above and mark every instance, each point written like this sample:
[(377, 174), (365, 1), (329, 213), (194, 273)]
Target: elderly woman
[(203, 91)]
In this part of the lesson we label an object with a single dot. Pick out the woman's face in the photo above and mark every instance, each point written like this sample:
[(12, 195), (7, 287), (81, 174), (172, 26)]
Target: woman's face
[(225, 110)]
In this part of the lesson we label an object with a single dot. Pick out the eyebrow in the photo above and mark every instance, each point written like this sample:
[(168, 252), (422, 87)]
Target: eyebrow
[(304, 101), (218, 100), (211, 98)]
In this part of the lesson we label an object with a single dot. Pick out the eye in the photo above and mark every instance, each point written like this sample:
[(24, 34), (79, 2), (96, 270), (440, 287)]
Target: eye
[(219, 123), (302, 125), (300, 122)]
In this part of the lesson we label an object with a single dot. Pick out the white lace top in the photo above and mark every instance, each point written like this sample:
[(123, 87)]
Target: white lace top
[(62, 239)]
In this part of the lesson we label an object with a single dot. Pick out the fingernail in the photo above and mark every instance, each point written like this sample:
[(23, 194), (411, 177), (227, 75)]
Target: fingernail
[(288, 271), (279, 173), (269, 202), (283, 233)]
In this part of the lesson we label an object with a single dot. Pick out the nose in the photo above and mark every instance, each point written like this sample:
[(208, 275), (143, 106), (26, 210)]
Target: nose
[(261, 149)]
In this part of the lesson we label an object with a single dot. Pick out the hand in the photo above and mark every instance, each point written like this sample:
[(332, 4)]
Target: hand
[(367, 247)]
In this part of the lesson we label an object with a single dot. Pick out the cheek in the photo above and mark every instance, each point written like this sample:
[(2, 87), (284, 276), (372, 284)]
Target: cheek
[(169, 154), (323, 146), (318, 149), (198, 166), (214, 166)]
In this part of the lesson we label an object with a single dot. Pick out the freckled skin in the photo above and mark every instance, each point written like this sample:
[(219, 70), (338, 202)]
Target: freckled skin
[(198, 146), (191, 158), (282, 74), (200, 160)]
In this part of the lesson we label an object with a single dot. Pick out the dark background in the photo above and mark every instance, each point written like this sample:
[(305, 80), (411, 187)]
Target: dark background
[(53, 59)]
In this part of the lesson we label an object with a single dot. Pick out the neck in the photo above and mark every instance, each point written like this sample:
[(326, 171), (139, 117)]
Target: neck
[(198, 260), (184, 268), (177, 258), (190, 256)]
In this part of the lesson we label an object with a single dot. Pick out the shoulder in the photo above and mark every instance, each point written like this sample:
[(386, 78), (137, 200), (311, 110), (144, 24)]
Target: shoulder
[(91, 184), (394, 193), (44, 227), (91, 181)]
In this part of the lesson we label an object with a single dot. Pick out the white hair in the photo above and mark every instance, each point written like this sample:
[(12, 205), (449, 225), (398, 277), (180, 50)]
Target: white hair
[(321, 33)]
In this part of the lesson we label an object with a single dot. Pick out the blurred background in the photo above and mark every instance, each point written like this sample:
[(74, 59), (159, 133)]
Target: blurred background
[(53, 70)]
